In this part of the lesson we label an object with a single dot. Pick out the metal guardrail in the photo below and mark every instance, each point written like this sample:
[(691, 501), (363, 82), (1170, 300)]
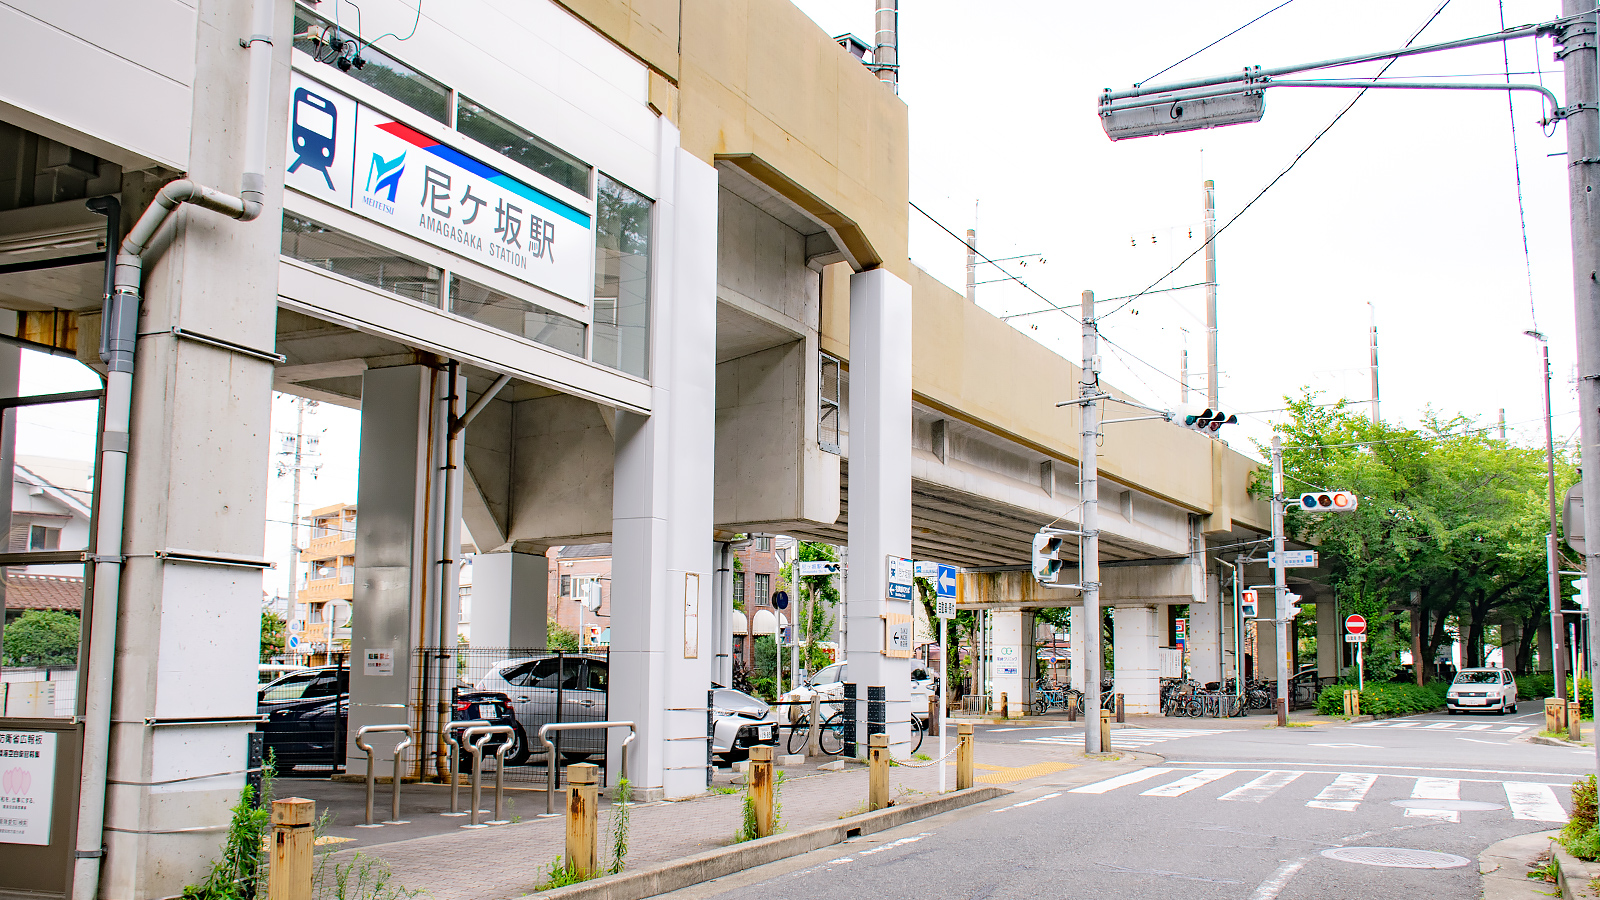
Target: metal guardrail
[(475, 738), (550, 753), (372, 775), (455, 760)]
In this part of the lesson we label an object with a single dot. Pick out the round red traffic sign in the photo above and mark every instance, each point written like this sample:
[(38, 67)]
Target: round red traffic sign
[(1356, 624)]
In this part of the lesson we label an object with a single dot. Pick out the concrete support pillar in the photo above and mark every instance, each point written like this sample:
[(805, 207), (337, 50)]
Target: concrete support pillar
[(661, 590), (1076, 633), (880, 485), (1013, 647), (398, 545), (1330, 638), (1205, 635), (510, 600), (1138, 633)]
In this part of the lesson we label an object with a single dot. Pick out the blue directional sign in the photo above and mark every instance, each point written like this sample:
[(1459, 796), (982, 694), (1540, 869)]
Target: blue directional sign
[(945, 583)]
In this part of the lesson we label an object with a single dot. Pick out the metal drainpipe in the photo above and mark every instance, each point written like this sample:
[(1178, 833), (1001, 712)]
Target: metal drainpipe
[(119, 334), (886, 52)]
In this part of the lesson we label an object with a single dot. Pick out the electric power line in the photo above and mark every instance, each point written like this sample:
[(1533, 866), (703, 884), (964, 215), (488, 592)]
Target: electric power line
[(979, 253), (1516, 162), (1287, 169), (1218, 41)]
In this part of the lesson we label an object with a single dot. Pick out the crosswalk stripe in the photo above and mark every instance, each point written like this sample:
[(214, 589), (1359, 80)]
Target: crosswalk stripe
[(1111, 784), (1536, 802), (1261, 788), (1187, 783), (1476, 727), (1436, 789), (1346, 792)]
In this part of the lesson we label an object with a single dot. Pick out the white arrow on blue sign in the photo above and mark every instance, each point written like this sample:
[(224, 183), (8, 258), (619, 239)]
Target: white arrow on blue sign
[(945, 583)]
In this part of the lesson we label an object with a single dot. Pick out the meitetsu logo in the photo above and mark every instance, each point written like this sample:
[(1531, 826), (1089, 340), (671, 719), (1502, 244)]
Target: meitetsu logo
[(383, 177), (316, 124)]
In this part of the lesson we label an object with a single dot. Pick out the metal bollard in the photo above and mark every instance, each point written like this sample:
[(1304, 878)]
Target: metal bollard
[(455, 760), (1105, 731), (372, 775), (963, 755), (294, 837), (1122, 715), (582, 801), (476, 738), (878, 773), (761, 788), (814, 728)]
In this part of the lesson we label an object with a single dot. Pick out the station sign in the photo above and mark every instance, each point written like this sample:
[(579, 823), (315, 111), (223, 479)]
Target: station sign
[(346, 153), (901, 574), (1293, 559), (811, 568)]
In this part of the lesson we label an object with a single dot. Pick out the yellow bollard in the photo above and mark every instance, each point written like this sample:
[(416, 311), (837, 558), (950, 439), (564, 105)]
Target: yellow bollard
[(814, 727), (1554, 714), (1105, 731), (761, 788), (294, 836), (878, 774), (582, 804), (963, 755), (1574, 721), (1005, 706)]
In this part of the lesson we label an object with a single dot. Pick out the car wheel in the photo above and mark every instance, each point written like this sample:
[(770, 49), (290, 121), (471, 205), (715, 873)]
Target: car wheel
[(1513, 709), (1449, 712), (519, 751), (733, 756), (570, 758)]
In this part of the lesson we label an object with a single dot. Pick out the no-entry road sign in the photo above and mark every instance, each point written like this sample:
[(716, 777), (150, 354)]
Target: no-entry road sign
[(1356, 624)]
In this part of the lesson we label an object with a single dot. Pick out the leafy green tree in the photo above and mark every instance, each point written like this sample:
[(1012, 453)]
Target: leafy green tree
[(274, 634), (817, 598), (42, 637), (558, 637)]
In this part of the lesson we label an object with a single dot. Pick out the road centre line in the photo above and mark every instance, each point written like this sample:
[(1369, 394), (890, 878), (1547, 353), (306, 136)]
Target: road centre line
[(1246, 766)]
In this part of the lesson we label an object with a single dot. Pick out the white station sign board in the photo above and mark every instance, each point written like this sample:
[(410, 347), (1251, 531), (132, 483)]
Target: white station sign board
[(901, 572), (27, 786), (1294, 559), (346, 153)]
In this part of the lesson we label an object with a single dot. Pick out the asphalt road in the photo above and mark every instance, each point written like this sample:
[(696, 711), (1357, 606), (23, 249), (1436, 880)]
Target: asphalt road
[(1250, 812)]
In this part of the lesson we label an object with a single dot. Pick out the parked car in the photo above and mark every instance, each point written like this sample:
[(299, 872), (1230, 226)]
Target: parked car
[(308, 718), (266, 673), (739, 722), (534, 686), (1475, 690), (829, 683)]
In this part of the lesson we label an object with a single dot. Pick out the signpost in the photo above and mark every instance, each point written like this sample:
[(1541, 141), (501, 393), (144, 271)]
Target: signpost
[(900, 575), (944, 584), (1294, 559), (1355, 627), (811, 568)]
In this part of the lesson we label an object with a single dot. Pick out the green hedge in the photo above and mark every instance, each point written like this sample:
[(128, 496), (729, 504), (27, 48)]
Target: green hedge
[(1538, 687), (1386, 699)]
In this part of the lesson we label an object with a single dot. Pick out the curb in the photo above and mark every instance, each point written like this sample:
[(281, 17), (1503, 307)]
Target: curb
[(1503, 867), (1572, 875), (1555, 742), (702, 867)]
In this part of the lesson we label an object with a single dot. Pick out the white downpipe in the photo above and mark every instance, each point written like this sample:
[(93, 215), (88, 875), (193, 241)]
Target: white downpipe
[(120, 323)]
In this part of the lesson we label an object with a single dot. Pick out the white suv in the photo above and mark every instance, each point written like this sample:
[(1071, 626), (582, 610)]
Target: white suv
[(1482, 689)]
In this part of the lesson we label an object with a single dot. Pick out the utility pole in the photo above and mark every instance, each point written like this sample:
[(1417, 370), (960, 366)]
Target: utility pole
[(1183, 375), (972, 265), (1577, 53), (1502, 423), (1558, 622), (296, 463), (1089, 493), (1280, 587), (1211, 295), (1372, 353)]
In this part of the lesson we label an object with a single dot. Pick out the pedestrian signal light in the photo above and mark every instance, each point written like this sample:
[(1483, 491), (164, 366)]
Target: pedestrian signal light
[(1247, 604), (1208, 421), (1329, 501), (1290, 609), (1049, 550)]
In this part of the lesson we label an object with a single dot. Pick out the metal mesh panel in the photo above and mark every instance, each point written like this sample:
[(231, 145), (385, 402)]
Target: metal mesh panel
[(828, 396)]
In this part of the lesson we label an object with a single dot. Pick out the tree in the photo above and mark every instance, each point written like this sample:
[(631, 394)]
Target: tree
[(273, 634), (42, 637), (558, 637), (817, 596)]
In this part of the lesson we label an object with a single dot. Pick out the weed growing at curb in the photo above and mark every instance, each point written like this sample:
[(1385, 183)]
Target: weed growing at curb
[(619, 825), (362, 877), (559, 875), (240, 873), (747, 828)]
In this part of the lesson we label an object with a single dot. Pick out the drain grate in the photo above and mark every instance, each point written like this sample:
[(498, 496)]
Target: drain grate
[(1396, 857)]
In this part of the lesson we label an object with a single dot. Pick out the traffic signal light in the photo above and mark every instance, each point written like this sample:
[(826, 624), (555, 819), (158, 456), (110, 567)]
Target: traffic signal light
[(1247, 604), (1329, 501), (1287, 608), (1049, 557), (1208, 421)]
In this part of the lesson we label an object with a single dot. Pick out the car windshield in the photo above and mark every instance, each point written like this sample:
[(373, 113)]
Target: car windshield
[(1477, 678)]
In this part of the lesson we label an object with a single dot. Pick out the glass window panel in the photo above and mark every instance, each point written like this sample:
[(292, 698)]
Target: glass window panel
[(314, 34), (515, 143), (359, 260), (520, 317), (622, 278)]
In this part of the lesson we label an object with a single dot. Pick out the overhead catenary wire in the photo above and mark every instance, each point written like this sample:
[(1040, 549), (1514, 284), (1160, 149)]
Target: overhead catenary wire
[(1057, 307), (1280, 176), (1516, 163)]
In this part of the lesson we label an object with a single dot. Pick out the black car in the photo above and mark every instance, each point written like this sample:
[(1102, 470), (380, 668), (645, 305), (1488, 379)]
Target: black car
[(308, 718)]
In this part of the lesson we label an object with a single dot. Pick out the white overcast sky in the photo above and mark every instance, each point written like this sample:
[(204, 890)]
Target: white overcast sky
[(1410, 203)]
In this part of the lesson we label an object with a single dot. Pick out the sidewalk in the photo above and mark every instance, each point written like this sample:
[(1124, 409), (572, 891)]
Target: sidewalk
[(451, 863)]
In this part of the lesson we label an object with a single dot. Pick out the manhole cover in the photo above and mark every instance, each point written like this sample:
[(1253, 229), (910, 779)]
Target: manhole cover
[(1446, 805), (1396, 857)]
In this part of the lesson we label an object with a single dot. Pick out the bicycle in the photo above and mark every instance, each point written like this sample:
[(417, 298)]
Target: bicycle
[(830, 734)]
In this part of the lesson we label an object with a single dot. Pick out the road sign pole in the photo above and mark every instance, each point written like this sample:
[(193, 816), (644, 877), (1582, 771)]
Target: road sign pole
[(1361, 672), (943, 706)]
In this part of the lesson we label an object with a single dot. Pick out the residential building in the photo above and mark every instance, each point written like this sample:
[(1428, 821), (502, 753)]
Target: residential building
[(50, 510), (323, 602), (575, 571)]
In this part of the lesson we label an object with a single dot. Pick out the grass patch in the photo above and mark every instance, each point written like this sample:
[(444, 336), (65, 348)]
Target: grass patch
[(921, 757)]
